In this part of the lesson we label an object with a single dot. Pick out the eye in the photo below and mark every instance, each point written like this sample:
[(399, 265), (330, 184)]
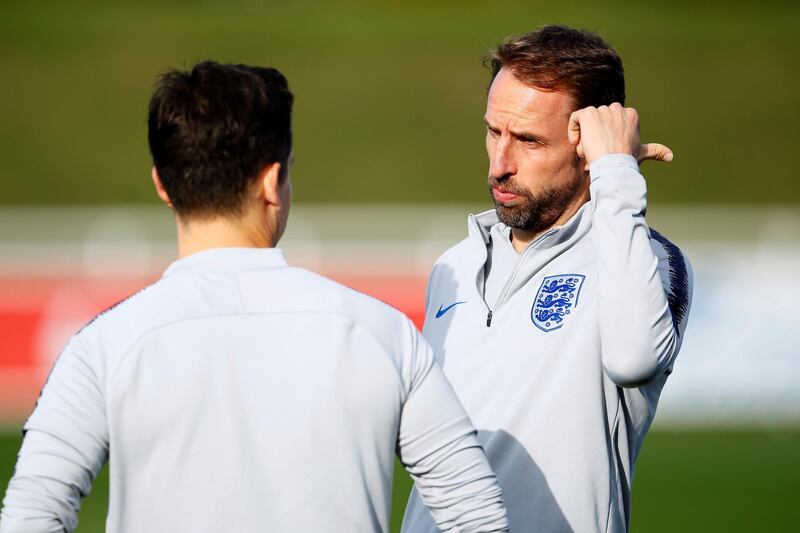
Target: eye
[(531, 142), (493, 132)]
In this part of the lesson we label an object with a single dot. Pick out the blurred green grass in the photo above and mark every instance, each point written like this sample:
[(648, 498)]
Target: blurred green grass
[(390, 94), (703, 481)]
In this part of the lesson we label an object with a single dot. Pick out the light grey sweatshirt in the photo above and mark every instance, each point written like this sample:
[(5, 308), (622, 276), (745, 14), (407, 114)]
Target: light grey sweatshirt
[(561, 354), (240, 394)]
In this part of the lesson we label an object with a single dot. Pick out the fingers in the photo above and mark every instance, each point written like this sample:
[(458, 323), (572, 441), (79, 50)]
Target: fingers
[(654, 151), (612, 129)]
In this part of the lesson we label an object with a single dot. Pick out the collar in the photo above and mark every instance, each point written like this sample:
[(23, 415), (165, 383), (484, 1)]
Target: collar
[(219, 260), (480, 226), (501, 236), (547, 246)]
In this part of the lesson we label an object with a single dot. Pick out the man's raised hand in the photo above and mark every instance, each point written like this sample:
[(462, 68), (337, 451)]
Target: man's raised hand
[(598, 131)]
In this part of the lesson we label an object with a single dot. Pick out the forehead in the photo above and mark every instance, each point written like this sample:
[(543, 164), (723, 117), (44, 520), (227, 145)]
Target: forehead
[(512, 101)]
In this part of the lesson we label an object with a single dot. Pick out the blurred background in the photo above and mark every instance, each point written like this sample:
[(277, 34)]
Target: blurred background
[(389, 152)]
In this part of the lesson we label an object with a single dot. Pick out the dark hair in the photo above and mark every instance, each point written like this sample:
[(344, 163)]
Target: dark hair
[(559, 58), (212, 129)]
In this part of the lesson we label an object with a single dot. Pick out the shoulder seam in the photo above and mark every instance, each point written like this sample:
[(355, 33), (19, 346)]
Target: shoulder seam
[(117, 304), (113, 372)]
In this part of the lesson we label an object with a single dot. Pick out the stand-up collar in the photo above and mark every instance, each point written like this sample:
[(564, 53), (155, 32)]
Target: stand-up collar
[(539, 253), (480, 226), (228, 260)]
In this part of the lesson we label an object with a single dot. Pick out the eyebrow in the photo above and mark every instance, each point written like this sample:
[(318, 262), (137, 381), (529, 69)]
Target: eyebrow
[(522, 135)]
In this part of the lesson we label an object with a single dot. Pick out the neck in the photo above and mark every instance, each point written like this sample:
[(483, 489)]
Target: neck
[(521, 239), (197, 235)]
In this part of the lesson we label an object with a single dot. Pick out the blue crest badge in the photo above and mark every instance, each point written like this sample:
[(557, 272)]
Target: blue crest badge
[(556, 300)]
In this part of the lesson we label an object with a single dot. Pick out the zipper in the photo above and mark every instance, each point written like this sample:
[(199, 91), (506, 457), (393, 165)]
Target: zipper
[(513, 275)]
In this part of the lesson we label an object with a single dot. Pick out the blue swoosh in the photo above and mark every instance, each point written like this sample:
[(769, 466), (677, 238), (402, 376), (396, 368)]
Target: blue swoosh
[(441, 311)]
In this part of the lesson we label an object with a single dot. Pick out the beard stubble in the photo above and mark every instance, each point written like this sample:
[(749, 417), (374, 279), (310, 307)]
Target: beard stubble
[(538, 212)]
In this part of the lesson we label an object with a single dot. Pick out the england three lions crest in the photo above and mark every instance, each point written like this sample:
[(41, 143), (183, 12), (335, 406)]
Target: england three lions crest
[(556, 300)]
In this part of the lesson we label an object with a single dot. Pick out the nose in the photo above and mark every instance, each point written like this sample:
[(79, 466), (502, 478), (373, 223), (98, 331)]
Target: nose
[(502, 163)]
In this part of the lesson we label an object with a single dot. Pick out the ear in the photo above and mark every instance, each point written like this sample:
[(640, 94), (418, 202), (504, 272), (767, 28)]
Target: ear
[(159, 187), (269, 184), (581, 163)]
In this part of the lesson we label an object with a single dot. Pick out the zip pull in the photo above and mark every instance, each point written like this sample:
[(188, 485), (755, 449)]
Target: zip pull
[(489, 319)]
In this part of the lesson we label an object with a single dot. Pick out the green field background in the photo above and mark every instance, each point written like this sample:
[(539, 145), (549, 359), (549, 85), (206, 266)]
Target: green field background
[(390, 94), (700, 481), (389, 101)]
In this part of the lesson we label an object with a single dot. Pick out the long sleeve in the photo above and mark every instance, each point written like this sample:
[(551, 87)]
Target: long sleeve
[(64, 447), (438, 446), (644, 281)]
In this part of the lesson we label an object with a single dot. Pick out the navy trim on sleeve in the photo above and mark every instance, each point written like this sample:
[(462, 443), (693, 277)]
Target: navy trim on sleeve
[(89, 323), (114, 306), (678, 296)]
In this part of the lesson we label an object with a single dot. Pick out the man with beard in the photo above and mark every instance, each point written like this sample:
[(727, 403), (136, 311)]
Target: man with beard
[(559, 317)]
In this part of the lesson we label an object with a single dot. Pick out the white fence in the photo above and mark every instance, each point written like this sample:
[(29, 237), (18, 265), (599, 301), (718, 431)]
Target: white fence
[(740, 364)]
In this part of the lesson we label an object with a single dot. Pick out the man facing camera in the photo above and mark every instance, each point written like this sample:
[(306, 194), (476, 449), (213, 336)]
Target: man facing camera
[(559, 317), (238, 393)]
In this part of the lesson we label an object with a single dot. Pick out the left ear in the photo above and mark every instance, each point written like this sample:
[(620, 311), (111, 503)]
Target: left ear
[(269, 183), (160, 191)]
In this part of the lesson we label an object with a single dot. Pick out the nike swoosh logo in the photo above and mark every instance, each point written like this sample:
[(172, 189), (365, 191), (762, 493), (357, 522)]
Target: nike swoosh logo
[(441, 311)]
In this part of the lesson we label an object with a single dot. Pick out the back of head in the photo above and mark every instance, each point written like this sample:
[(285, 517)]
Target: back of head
[(558, 58), (212, 129)]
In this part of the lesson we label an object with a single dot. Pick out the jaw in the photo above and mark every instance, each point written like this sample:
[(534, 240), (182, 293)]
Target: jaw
[(550, 212), (581, 197)]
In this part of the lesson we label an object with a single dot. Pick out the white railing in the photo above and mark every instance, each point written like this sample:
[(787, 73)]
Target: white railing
[(741, 358)]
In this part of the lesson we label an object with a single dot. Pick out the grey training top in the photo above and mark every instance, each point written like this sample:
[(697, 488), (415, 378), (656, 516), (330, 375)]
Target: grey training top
[(239, 394), (584, 328)]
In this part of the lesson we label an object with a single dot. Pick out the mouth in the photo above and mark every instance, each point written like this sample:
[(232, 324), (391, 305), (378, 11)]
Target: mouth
[(503, 196)]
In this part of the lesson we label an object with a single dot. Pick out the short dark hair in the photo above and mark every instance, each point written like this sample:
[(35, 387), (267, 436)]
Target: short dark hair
[(213, 128), (559, 58)]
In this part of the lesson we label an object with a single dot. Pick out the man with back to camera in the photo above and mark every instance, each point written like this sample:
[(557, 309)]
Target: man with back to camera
[(238, 393), (559, 317)]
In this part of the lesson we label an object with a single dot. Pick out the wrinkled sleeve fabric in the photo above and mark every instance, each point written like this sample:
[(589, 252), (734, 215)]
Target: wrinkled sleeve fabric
[(438, 446), (65, 445), (644, 282)]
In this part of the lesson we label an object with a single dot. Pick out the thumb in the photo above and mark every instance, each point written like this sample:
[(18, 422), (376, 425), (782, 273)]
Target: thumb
[(654, 151)]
